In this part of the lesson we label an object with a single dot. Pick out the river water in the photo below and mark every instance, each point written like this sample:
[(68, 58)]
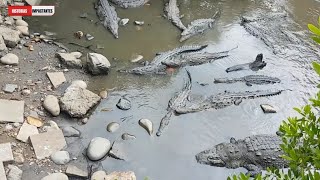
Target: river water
[(171, 156)]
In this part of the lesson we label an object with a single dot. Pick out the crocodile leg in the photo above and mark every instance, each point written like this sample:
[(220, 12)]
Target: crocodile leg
[(253, 170)]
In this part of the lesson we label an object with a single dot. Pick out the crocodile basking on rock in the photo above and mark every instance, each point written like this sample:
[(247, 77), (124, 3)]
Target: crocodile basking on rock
[(172, 14), (225, 99), (129, 3), (179, 100), (250, 79), (255, 153), (254, 66), (108, 15), (199, 26)]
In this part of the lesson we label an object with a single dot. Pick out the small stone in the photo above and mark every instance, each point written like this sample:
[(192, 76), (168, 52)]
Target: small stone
[(6, 152), (268, 108), (147, 125), (19, 158), (26, 131), (75, 171), (70, 131), (78, 34), (16, 125), (14, 173), (124, 21), (124, 103), (26, 92), (84, 120), (23, 29), (136, 58), (51, 104), (89, 37), (127, 136), (10, 88), (98, 148), (56, 78), (60, 157), (56, 176), (21, 22), (30, 47), (10, 59), (98, 175), (83, 15), (140, 23), (113, 127), (129, 175), (103, 94)]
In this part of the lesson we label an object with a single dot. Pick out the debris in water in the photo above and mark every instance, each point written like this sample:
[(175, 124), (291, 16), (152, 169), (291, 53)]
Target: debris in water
[(147, 125)]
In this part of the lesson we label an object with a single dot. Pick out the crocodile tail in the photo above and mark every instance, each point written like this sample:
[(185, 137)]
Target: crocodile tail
[(189, 78), (217, 14)]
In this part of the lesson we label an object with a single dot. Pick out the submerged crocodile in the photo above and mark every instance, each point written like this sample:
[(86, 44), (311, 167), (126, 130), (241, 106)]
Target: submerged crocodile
[(250, 79), (172, 13), (129, 3), (108, 15), (179, 100), (199, 26), (255, 153), (156, 66), (225, 99), (254, 66)]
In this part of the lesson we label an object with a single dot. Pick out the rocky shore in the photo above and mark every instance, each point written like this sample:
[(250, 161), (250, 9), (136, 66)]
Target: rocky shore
[(42, 84)]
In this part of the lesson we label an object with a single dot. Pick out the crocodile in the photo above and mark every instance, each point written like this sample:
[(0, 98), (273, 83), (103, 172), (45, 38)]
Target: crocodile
[(172, 14), (225, 99), (199, 26), (179, 100), (254, 66), (255, 153), (108, 15), (250, 79), (156, 66), (129, 3)]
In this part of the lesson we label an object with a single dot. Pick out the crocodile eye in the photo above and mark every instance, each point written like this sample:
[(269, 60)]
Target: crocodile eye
[(210, 158)]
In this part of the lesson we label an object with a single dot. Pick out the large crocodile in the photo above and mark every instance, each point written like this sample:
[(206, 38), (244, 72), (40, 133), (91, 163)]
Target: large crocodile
[(225, 99), (199, 26), (250, 79), (129, 3), (108, 15), (254, 66), (255, 153), (172, 13), (179, 100)]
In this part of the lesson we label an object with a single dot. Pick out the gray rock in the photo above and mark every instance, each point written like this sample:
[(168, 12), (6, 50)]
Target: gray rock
[(26, 131), (10, 37), (147, 125), (124, 21), (60, 157), (11, 111), (21, 22), (113, 127), (2, 172), (14, 173), (140, 23), (56, 176), (89, 37), (70, 131), (56, 78), (3, 46), (23, 29), (71, 59), (10, 88), (79, 83), (127, 136), (268, 108), (124, 103), (51, 104), (77, 101), (73, 170), (6, 152), (98, 148), (98, 175), (129, 175), (84, 120), (97, 64), (10, 59)]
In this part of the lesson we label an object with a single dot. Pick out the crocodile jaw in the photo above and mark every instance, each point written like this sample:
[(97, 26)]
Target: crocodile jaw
[(210, 157)]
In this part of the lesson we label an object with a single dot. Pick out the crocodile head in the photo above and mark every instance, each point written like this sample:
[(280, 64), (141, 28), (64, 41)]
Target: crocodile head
[(258, 63)]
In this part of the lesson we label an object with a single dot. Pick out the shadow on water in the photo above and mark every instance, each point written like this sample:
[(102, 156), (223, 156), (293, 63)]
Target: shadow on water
[(172, 155)]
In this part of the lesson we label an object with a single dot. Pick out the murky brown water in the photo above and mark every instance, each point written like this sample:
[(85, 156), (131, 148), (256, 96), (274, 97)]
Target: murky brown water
[(172, 155)]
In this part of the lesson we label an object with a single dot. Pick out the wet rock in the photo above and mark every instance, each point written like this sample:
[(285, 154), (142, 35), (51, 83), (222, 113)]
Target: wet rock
[(129, 175), (26, 131), (147, 125), (70, 131), (21, 22), (3, 46), (124, 103), (10, 59), (30, 48), (71, 59), (10, 37), (56, 176), (113, 127), (77, 101), (103, 94), (83, 15), (140, 23), (78, 34), (60, 157), (6, 152), (124, 21), (11, 111), (56, 78), (98, 148), (10, 88), (79, 83), (97, 64), (45, 144), (23, 29), (137, 58), (127, 136), (268, 108), (14, 173), (51, 104), (73, 170), (98, 175), (89, 37)]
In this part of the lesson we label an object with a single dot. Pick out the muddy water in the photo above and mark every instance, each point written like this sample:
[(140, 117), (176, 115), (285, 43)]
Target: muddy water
[(172, 155)]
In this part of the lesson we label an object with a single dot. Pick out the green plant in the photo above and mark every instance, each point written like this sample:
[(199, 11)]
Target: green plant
[(316, 31)]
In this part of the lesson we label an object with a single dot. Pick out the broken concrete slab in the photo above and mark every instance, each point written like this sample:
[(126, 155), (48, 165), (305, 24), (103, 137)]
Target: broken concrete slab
[(71, 59), (2, 172), (26, 131), (47, 143), (73, 170), (11, 111), (6, 152), (56, 78), (9, 88)]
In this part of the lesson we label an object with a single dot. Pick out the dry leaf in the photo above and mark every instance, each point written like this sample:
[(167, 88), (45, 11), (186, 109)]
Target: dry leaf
[(35, 121)]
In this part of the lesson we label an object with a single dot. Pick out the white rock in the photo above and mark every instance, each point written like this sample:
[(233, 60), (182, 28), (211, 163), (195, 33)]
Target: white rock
[(98, 175), (140, 23), (124, 21), (51, 104), (14, 173), (10, 59), (56, 176), (137, 58), (129, 175), (26, 131), (21, 22), (56, 78), (97, 64), (60, 157), (268, 108), (147, 125), (98, 148), (23, 29)]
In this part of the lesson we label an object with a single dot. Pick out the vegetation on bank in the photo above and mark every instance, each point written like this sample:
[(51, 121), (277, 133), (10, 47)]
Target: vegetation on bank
[(301, 138)]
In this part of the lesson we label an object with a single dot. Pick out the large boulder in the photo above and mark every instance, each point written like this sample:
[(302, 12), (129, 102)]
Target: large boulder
[(10, 36), (77, 101), (51, 104), (97, 64), (71, 59), (10, 59)]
